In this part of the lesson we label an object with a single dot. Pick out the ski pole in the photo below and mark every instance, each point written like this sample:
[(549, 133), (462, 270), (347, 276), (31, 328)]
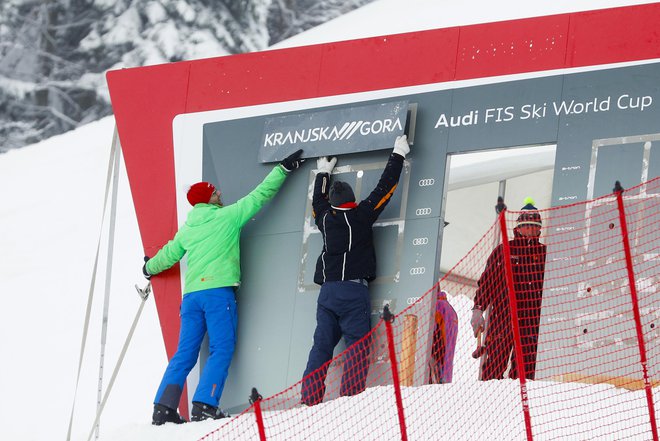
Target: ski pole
[(144, 294)]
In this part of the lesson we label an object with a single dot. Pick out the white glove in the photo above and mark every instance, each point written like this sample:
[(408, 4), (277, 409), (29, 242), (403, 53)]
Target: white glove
[(324, 165), (401, 145), (477, 321)]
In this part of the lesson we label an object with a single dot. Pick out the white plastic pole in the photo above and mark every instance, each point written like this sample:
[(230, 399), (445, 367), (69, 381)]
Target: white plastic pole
[(108, 279), (90, 296)]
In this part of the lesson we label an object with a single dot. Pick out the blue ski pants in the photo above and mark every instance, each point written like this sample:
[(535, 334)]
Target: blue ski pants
[(212, 311), (343, 308)]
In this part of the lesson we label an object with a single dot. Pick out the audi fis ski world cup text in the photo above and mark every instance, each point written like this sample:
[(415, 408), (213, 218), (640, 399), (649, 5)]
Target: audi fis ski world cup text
[(333, 133), (534, 111)]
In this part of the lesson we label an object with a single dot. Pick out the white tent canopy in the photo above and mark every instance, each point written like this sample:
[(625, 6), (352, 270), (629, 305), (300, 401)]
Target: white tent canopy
[(472, 169)]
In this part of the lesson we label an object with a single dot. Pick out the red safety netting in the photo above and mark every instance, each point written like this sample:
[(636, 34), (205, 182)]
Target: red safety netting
[(587, 308)]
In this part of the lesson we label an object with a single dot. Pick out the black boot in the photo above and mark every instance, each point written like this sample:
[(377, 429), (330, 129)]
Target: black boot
[(203, 411), (163, 414)]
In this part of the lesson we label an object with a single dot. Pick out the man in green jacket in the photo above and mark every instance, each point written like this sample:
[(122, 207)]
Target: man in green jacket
[(211, 238)]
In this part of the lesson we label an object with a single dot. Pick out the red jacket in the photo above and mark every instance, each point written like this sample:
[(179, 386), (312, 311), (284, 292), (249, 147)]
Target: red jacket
[(528, 265)]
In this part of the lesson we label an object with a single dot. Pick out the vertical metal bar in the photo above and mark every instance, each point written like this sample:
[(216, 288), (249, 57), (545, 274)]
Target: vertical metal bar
[(638, 319), (90, 296), (513, 308), (108, 280), (502, 189)]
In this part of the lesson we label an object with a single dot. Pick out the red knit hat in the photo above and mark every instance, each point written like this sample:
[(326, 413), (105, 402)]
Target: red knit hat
[(200, 193)]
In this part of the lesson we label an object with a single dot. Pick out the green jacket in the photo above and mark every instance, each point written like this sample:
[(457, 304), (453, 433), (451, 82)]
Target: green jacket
[(211, 238)]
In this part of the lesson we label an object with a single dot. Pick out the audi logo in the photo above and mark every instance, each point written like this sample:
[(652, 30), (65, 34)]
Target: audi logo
[(426, 182), (423, 211), (420, 241), (412, 300), (417, 271)]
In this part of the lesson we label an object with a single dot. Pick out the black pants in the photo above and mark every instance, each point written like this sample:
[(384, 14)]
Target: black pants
[(343, 309)]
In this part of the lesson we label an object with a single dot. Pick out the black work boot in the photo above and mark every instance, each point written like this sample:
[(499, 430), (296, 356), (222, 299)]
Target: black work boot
[(163, 414), (203, 411)]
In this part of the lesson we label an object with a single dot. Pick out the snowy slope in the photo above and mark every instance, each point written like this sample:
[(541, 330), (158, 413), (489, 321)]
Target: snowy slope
[(50, 214)]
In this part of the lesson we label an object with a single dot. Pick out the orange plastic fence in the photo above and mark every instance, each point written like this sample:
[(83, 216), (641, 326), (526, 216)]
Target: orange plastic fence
[(587, 312)]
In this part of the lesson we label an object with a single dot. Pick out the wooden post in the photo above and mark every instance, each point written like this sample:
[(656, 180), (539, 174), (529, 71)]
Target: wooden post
[(408, 349)]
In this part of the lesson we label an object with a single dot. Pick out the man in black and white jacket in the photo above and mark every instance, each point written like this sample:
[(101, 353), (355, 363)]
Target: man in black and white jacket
[(344, 269)]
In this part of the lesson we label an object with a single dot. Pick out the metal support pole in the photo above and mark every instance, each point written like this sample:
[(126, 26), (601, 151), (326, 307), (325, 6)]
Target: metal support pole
[(90, 296), (108, 279)]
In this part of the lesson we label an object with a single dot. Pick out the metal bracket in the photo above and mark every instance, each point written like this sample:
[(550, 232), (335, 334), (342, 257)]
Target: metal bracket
[(144, 292)]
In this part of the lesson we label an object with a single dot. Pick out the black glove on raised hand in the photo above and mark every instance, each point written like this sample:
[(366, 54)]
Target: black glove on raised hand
[(144, 268), (293, 161)]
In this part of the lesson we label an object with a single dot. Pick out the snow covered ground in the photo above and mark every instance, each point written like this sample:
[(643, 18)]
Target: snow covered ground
[(50, 216)]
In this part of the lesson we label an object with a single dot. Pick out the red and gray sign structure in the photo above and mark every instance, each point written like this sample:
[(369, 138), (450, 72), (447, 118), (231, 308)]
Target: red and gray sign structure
[(590, 84)]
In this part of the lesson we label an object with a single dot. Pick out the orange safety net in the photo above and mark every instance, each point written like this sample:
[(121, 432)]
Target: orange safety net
[(579, 305)]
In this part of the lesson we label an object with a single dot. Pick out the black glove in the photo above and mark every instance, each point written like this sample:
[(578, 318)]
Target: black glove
[(501, 206), (144, 268), (293, 161)]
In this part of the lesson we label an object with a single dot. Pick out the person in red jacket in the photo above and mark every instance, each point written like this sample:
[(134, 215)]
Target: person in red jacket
[(528, 266)]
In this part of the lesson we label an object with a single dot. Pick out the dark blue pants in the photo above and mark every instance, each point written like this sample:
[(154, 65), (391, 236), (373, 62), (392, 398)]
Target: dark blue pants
[(343, 308), (212, 311)]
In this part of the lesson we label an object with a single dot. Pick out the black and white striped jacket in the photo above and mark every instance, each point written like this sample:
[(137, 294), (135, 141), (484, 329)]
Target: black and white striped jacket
[(348, 249)]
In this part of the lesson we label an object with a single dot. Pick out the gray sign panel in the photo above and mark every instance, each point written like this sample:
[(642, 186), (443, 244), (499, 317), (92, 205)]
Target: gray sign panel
[(333, 132)]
